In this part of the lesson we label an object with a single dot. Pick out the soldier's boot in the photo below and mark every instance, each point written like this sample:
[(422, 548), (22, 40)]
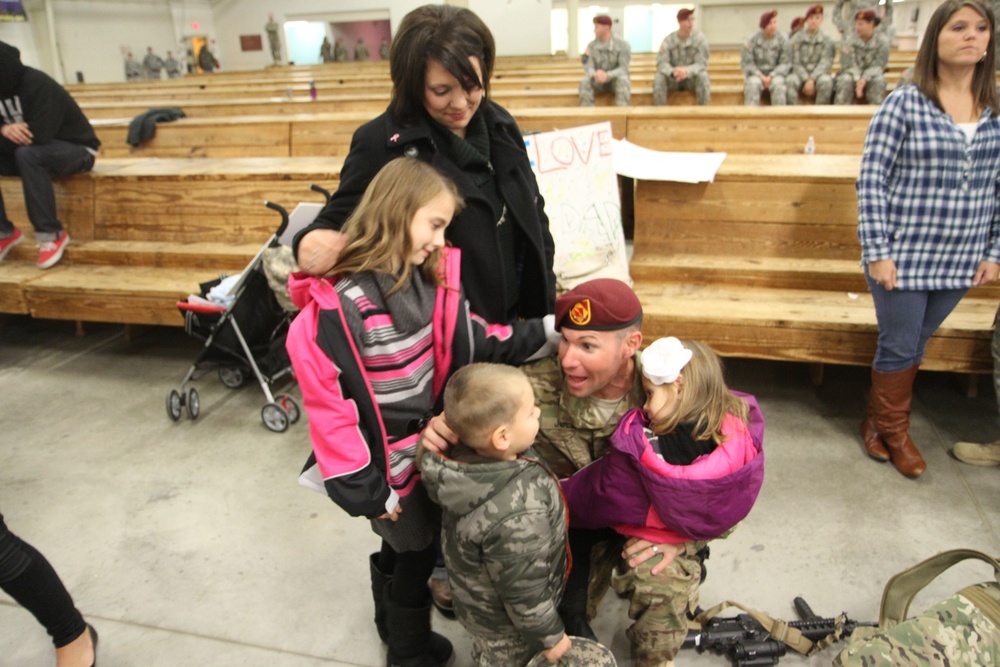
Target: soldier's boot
[(874, 446), (411, 641), (380, 582), (890, 400), (573, 612), (974, 453)]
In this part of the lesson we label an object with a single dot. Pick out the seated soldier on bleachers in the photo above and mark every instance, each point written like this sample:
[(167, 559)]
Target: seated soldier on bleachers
[(605, 65), (765, 62), (682, 62), (863, 62), (813, 52)]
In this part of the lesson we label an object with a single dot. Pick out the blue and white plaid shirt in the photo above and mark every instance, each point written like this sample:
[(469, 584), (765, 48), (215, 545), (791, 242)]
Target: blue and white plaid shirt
[(927, 197)]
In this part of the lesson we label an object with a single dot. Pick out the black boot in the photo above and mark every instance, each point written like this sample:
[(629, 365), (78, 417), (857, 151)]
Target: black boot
[(573, 612), (380, 582), (411, 641)]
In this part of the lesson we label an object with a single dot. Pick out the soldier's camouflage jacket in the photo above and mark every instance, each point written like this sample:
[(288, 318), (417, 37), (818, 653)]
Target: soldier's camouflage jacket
[(812, 55), (504, 541), (573, 431), (760, 55), (691, 53), (865, 60), (612, 56)]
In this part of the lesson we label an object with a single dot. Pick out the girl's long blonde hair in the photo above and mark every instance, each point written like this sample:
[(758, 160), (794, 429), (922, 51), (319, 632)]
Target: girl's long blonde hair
[(378, 231), (705, 399)]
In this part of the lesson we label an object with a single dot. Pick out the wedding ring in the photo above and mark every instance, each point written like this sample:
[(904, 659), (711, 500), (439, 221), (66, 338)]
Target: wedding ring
[(655, 549)]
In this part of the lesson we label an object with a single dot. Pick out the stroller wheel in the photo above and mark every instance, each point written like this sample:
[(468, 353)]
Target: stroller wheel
[(274, 417), (193, 403), (174, 404), (290, 407), (231, 377)]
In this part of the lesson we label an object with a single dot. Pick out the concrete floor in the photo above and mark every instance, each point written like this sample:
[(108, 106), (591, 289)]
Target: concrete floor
[(191, 543)]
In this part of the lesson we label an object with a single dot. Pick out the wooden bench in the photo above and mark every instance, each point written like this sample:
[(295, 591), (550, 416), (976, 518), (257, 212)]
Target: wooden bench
[(145, 233), (763, 263), (733, 129)]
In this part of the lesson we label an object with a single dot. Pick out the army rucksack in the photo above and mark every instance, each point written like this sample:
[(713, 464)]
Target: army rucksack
[(963, 629)]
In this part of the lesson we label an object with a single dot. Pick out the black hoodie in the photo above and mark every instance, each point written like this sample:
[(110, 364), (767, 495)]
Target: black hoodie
[(33, 97)]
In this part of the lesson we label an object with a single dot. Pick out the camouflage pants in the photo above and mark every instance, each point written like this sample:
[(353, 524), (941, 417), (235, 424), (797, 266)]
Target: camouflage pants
[(699, 83), (824, 89), (874, 89), (511, 651), (753, 87), (621, 87), (659, 605)]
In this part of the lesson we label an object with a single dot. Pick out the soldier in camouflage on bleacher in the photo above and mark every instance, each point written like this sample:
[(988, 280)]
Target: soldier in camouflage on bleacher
[(682, 62), (765, 61), (813, 52), (863, 62), (605, 64), (845, 20)]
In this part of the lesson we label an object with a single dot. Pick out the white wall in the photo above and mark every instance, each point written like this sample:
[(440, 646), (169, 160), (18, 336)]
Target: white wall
[(93, 33)]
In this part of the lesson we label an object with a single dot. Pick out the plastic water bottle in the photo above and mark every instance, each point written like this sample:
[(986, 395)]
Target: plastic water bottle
[(810, 146), (312, 89)]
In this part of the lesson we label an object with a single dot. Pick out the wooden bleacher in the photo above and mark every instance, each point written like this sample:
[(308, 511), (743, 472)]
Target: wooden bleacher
[(152, 222), (145, 232)]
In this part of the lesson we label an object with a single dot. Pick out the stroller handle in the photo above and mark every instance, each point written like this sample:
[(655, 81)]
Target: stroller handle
[(323, 191), (284, 216)]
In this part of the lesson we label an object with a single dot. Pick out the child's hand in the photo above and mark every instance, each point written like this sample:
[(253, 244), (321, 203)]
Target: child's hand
[(438, 436), (394, 514), (559, 650), (638, 551)]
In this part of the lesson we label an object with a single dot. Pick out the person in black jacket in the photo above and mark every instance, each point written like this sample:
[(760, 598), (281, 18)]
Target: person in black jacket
[(440, 64), (44, 135)]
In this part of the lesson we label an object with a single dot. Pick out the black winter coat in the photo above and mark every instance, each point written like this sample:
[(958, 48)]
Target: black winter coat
[(474, 230)]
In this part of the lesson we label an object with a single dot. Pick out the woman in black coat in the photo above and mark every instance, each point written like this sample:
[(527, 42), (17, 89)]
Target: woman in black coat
[(440, 64)]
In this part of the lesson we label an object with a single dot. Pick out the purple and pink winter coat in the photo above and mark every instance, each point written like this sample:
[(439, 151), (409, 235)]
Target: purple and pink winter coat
[(358, 459), (633, 490)]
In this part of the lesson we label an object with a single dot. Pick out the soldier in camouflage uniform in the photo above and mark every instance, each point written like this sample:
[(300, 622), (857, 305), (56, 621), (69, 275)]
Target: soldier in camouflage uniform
[(361, 50), (813, 52), (845, 20), (504, 519), (765, 62), (133, 68), (582, 394), (605, 65), (682, 62), (863, 62)]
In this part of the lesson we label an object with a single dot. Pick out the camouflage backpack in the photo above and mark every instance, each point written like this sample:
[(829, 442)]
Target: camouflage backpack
[(963, 629)]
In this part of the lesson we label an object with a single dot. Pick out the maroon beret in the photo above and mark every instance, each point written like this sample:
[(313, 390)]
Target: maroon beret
[(603, 19), (602, 304), (766, 17), (684, 13), (815, 9), (796, 22), (865, 15)]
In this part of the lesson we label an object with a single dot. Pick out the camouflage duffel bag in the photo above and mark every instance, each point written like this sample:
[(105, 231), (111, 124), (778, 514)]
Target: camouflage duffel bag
[(963, 629)]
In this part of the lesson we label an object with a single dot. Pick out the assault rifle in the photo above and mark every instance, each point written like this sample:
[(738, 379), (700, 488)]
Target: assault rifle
[(749, 644)]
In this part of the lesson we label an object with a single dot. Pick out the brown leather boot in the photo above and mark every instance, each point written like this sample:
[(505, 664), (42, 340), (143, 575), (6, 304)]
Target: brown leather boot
[(889, 401), (874, 446)]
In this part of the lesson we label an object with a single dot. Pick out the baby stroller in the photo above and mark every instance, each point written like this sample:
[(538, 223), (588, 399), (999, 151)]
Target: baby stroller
[(244, 338)]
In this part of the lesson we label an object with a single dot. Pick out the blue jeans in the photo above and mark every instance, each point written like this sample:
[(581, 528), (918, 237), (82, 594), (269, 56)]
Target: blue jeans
[(906, 319), (37, 165)]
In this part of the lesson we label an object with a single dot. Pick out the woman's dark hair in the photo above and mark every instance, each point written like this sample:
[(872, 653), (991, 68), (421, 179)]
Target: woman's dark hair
[(925, 71), (449, 35)]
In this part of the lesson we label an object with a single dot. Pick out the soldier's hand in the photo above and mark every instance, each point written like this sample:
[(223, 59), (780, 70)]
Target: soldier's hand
[(766, 80), (600, 76), (638, 551), (859, 89), (555, 653), (680, 74), (437, 435), (809, 88)]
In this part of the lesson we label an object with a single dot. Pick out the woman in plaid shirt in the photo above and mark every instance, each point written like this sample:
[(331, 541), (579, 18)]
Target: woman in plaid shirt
[(928, 219)]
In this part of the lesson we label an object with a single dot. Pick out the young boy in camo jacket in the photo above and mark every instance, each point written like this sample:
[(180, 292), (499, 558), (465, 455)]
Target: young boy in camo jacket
[(504, 519)]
